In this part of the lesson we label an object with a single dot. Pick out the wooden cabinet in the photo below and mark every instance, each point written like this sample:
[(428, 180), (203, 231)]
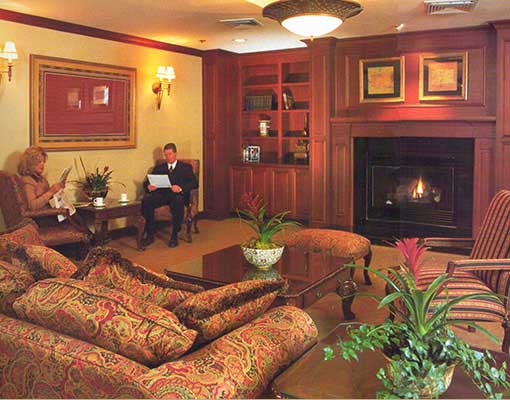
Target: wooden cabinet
[(283, 188), (277, 93)]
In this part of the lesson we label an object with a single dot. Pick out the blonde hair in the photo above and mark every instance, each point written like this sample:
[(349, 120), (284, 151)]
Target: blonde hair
[(29, 159)]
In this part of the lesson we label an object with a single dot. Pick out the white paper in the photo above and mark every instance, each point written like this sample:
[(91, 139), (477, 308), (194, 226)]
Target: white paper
[(64, 175), (61, 201), (160, 181)]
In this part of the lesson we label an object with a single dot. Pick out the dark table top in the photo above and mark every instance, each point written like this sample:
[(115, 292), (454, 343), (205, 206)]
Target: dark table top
[(229, 265)]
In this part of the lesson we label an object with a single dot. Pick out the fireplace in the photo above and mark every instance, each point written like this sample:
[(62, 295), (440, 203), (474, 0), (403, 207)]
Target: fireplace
[(413, 187)]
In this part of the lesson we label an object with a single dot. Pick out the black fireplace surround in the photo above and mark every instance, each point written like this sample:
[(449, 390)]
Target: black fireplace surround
[(408, 186)]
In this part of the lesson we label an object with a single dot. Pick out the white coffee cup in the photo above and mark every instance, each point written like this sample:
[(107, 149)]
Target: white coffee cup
[(98, 202), (123, 197)]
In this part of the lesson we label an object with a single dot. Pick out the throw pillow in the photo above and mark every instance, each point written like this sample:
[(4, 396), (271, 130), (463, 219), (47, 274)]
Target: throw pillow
[(14, 282), (106, 267), (106, 317), (217, 311), (23, 233), (42, 262)]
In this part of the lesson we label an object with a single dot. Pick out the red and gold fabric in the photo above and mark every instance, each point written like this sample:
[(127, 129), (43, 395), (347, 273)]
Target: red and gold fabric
[(214, 312), (39, 363), (42, 262), (23, 233), (106, 267), (106, 317), (463, 282), (240, 364), (14, 281), (338, 243)]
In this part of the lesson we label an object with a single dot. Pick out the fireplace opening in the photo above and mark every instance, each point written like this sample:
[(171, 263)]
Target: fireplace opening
[(413, 187)]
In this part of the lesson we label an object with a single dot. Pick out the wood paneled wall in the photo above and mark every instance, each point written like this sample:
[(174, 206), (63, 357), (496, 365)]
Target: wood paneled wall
[(338, 116)]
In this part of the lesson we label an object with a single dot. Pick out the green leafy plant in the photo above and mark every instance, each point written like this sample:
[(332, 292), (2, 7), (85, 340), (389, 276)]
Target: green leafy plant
[(419, 343), (253, 214), (96, 181)]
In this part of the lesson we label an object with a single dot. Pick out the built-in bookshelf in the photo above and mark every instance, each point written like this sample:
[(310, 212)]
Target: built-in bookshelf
[(279, 95)]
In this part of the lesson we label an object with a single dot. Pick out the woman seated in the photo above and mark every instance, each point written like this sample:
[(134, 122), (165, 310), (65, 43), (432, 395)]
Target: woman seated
[(36, 186), (38, 190)]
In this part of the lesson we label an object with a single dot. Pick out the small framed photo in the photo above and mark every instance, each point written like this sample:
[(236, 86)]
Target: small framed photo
[(251, 154), (381, 80), (443, 76)]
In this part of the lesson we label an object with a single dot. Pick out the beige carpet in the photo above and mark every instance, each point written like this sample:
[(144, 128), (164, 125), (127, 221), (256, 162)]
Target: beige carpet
[(327, 312)]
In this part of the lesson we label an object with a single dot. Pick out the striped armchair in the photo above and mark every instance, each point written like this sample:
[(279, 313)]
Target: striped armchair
[(486, 270)]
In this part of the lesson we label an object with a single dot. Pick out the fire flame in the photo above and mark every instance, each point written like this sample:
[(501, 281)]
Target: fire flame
[(419, 189)]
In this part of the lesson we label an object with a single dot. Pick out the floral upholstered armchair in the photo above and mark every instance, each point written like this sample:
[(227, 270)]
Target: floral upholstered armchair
[(14, 206)]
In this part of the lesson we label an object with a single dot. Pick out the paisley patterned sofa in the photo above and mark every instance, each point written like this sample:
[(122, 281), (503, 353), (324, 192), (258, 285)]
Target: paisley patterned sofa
[(36, 361)]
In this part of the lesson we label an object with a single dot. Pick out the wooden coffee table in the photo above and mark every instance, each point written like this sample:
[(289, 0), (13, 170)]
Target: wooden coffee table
[(111, 210), (310, 276), (313, 378)]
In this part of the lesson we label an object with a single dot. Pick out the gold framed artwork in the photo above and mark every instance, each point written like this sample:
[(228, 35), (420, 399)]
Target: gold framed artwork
[(81, 105), (443, 76), (381, 80)]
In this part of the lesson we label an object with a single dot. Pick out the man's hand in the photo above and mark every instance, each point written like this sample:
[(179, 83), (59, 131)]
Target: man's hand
[(176, 188), (152, 188)]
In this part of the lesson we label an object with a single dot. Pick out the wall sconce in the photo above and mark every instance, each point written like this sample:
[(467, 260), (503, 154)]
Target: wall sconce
[(9, 53), (165, 75)]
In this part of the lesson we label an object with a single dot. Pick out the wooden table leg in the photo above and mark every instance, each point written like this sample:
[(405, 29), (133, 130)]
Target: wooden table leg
[(100, 232), (140, 227), (347, 291)]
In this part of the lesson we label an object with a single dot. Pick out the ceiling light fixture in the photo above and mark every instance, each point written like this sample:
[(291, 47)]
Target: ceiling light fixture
[(311, 18), (240, 40)]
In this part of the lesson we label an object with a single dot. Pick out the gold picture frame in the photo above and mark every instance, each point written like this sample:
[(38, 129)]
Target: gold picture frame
[(81, 105), (381, 80), (443, 76)]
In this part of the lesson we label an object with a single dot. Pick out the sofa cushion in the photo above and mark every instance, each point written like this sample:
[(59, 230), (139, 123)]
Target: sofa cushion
[(41, 261), (39, 363), (220, 310), (106, 267), (23, 233), (106, 317), (14, 281)]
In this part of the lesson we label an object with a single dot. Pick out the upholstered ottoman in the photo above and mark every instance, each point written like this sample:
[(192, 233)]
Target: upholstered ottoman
[(340, 244)]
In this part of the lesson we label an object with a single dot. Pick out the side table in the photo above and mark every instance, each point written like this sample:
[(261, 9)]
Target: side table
[(310, 377), (111, 210)]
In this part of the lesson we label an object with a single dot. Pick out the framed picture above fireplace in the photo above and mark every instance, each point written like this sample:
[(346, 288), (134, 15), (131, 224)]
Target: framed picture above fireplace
[(81, 105), (443, 76), (381, 80)]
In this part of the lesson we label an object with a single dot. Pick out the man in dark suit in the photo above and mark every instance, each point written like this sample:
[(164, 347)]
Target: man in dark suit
[(182, 180)]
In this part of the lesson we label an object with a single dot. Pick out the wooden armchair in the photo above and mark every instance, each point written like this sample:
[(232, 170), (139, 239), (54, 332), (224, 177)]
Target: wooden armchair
[(486, 270), (190, 212), (14, 206)]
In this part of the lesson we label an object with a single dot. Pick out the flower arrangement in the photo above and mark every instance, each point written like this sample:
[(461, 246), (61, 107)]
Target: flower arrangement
[(96, 183), (421, 349), (254, 212)]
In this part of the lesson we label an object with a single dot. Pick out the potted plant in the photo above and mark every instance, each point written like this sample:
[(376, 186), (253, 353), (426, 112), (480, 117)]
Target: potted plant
[(422, 351), (97, 183), (260, 250)]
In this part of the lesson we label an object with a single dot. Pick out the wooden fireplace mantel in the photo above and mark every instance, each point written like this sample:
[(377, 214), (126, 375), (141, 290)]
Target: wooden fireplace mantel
[(343, 132)]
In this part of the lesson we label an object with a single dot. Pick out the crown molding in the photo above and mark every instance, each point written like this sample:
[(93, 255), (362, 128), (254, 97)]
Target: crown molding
[(69, 27)]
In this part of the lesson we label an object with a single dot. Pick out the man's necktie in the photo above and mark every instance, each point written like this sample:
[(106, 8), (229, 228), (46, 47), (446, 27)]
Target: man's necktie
[(171, 169)]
